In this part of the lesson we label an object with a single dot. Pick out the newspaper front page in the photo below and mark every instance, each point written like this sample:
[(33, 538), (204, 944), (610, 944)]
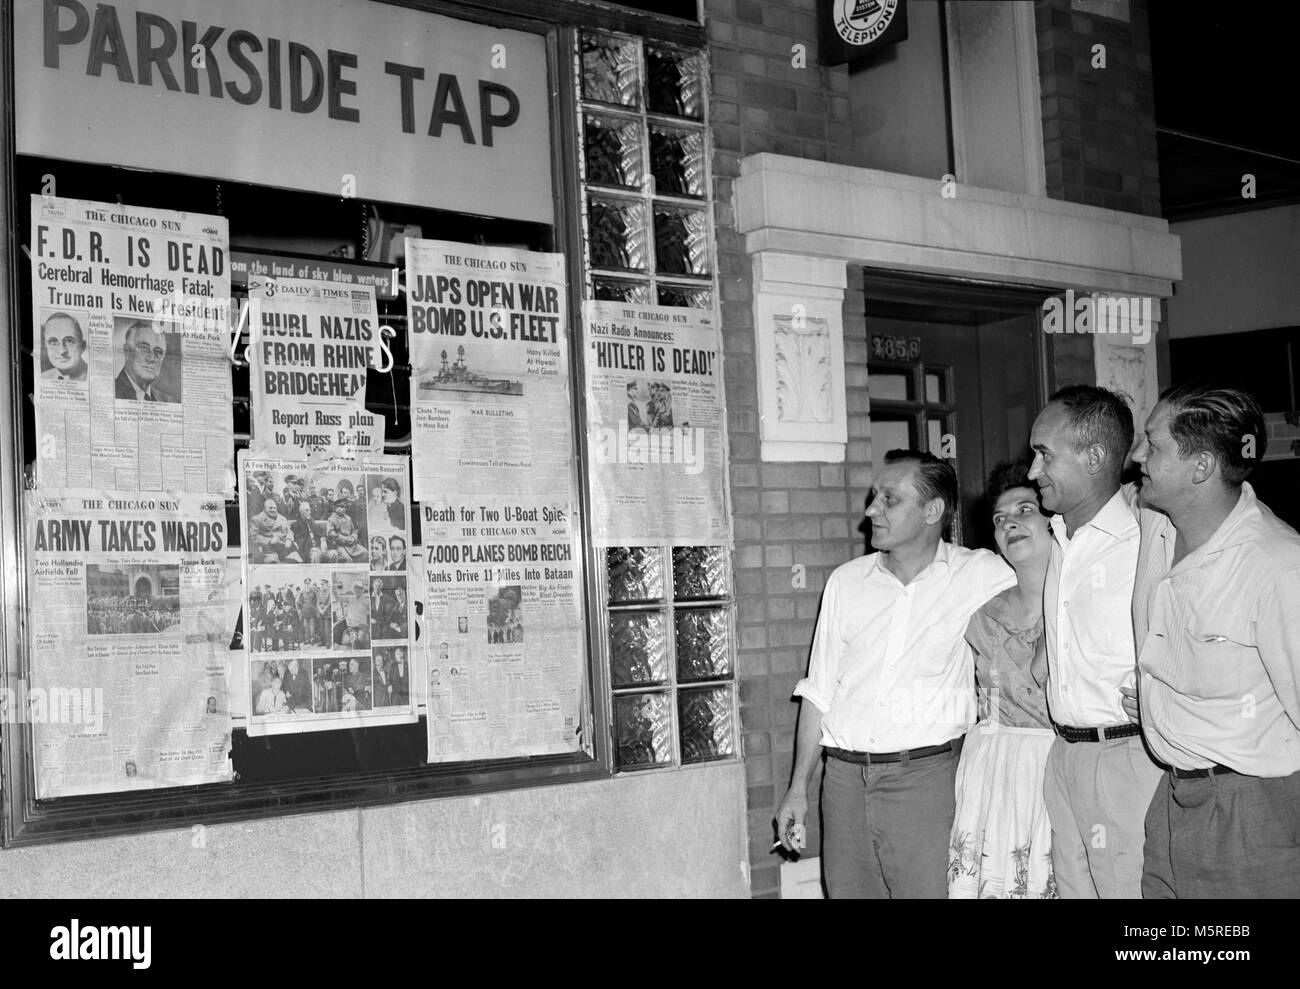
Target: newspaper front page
[(131, 309), (505, 644), (327, 598), (655, 418), (129, 641), (308, 361), (504, 637), (490, 369)]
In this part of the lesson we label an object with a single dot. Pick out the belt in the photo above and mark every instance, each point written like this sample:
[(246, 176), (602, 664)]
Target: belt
[(1200, 774), (1095, 734), (867, 758)]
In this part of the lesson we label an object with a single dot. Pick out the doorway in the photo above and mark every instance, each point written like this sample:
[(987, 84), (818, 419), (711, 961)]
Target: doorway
[(956, 368)]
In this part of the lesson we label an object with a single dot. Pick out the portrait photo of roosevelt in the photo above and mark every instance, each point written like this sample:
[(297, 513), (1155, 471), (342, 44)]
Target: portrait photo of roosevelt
[(146, 360), (62, 347)]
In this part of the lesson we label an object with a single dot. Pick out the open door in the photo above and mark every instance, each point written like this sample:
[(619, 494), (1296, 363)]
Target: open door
[(954, 368)]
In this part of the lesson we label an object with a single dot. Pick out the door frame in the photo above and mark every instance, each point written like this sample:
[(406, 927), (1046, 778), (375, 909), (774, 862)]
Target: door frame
[(893, 294)]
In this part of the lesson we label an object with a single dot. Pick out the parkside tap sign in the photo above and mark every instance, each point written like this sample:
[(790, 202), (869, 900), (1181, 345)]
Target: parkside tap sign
[(350, 98)]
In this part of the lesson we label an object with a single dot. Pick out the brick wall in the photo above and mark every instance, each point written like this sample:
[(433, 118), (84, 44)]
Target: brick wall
[(1100, 147), (785, 515), (1099, 128)]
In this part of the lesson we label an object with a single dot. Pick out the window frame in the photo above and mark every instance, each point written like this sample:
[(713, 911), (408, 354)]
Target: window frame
[(24, 820)]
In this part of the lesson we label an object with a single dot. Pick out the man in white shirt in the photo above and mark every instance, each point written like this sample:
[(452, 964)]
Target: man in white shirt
[(1217, 617), (890, 690), (1099, 777)]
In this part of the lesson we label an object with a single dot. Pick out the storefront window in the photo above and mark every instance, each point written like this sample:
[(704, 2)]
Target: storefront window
[(417, 198)]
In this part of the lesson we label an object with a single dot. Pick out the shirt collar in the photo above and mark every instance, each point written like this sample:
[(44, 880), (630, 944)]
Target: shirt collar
[(998, 608), (140, 391), (1232, 531), (942, 557), (1115, 518)]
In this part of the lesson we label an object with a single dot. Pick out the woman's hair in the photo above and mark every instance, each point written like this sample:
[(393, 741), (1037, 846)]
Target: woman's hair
[(1005, 476)]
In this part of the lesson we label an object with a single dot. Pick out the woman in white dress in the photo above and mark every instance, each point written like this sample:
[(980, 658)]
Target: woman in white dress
[(1001, 845)]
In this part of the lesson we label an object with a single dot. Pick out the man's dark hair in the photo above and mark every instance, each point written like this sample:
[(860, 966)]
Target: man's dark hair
[(1097, 415), (935, 478), (1219, 420), (1005, 476)]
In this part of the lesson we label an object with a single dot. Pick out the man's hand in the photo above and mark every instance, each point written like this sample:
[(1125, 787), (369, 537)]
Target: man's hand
[(1128, 699), (790, 819)]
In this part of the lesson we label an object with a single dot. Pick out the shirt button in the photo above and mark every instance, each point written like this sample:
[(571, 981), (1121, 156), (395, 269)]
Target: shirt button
[(1065, 688), (1065, 604), (872, 741)]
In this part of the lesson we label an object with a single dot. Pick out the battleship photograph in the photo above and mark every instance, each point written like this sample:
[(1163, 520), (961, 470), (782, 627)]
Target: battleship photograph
[(456, 376)]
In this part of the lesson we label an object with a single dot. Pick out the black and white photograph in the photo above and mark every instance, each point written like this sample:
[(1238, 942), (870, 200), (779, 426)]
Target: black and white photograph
[(289, 611), (378, 552), (889, 409), (649, 405), (147, 360), (128, 599), (389, 607), (63, 346), (305, 516), (283, 687), (480, 368), (343, 684), (392, 676), (396, 555), (350, 612), (504, 614), (386, 504)]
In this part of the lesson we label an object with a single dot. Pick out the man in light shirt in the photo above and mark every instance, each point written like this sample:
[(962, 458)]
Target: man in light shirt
[(890, 690), (1099, 777), (1217, 617)]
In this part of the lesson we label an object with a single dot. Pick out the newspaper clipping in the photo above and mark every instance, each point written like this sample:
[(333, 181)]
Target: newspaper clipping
[(490, 373), (129, 644), (327, 602), (131, 310), (503, 629), (309, 360), (655, 416)]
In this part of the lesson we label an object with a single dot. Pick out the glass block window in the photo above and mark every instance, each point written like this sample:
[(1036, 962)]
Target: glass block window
[(668, 611), (671, 648), (648, 223)]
